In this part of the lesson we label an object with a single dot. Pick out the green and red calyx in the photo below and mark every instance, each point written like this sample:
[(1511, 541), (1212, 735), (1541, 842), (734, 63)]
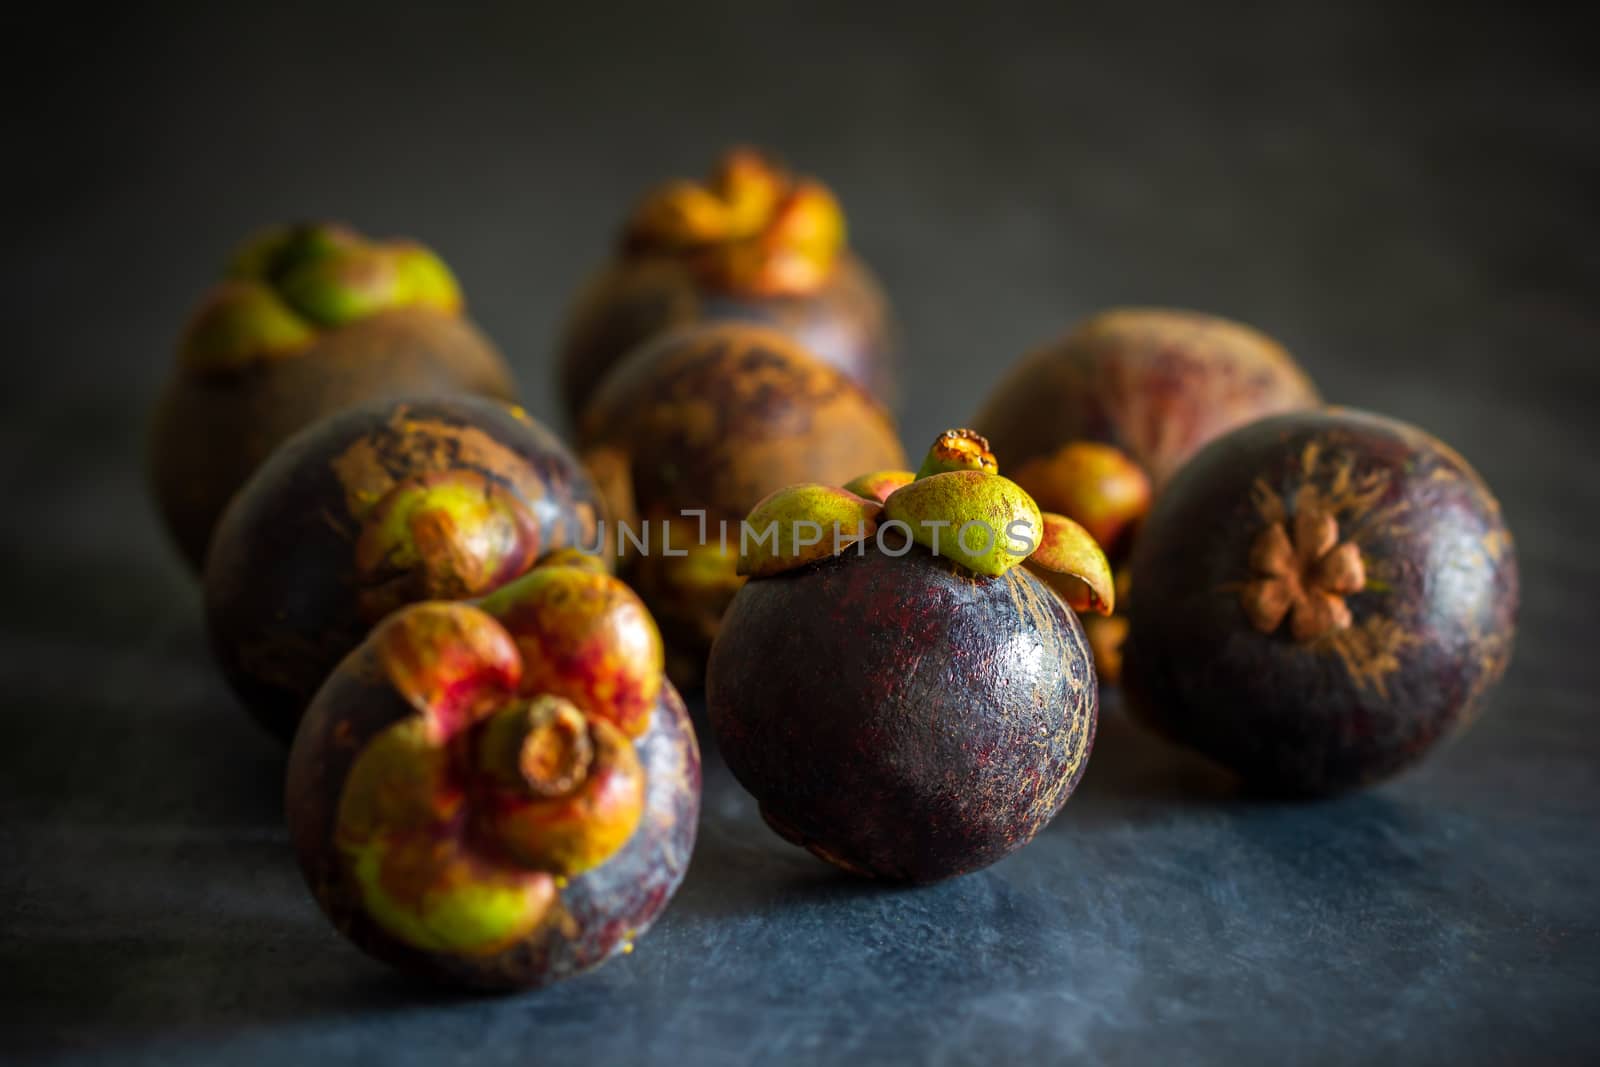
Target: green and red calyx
[(460, 821), (584, 635), (957, 505), (287, 285), (444, 536), (802, 524), (751, 227)]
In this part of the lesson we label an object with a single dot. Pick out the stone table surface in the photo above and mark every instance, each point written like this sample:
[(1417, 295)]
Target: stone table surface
[(1407, 201)]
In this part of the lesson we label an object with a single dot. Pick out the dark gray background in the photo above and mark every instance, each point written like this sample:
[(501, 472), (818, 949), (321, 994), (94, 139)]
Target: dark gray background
[(1406, 198)]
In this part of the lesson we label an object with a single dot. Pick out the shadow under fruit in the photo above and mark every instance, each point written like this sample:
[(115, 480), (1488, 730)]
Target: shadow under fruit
[(382, 505), (461, 811), (753, 243), (710, 420), (1324, 597), (902, 714), (311, 319)]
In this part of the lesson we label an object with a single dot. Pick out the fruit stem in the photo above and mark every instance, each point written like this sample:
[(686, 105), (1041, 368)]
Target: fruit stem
[(541, 748), (958, 450)]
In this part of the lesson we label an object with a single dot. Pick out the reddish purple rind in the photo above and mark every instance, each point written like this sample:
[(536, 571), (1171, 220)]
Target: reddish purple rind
[(711, 419), (210, 433), (900, 717), (633, 300), (719, 416), (1156, 383), (282, 589), (1432, 632), (602, 911)]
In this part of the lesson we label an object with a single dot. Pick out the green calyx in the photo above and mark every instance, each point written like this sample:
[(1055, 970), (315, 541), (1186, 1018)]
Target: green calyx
[(984, 522), (802, 524), (1070, 561), (416, 879), (878, 484), (957, 506), (238, 324), (288, 283), (443, 536)]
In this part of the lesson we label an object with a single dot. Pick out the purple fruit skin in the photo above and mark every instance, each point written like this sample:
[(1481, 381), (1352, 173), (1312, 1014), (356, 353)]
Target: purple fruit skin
[(899, 716)]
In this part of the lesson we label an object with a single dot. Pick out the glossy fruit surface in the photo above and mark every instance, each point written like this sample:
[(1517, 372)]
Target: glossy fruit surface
[(311, 319), (382, 505), (900, 717), (915, 707), (456, 820), (708, 421), (751, 244), (1323, 597)]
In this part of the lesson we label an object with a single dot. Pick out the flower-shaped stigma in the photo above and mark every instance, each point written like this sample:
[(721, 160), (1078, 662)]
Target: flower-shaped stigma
[(1306, 577)]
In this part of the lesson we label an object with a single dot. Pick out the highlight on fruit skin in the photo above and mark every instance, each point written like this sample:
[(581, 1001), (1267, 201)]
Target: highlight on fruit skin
[(870, 680), (456, 820), (753, 242), (310, 319), (1337, 596), (382, 505), (958, 506), (694, 430)]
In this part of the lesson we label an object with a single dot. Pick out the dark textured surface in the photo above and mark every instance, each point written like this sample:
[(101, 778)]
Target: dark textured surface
[(1407, 201)]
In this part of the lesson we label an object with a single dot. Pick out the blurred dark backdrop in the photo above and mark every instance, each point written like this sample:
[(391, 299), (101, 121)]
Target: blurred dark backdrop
[(1390, 189), (1404, 194)]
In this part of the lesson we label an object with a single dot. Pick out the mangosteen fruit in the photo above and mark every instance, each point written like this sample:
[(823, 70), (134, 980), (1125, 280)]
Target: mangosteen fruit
[(1323, 597), (1095, 423), (462, 811), (752, 243), (900, 696), (311, 319), (690, 433), (385, 504)]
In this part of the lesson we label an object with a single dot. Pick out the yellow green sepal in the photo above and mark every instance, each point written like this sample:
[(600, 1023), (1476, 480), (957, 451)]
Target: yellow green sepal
[(984, 522), (957, 506), (424, 279), (801, 524), (395, 829), (287, 283), (430, 895), (240, 323), (444, 536), (879, 484), (1071, 562), (270, 253)]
